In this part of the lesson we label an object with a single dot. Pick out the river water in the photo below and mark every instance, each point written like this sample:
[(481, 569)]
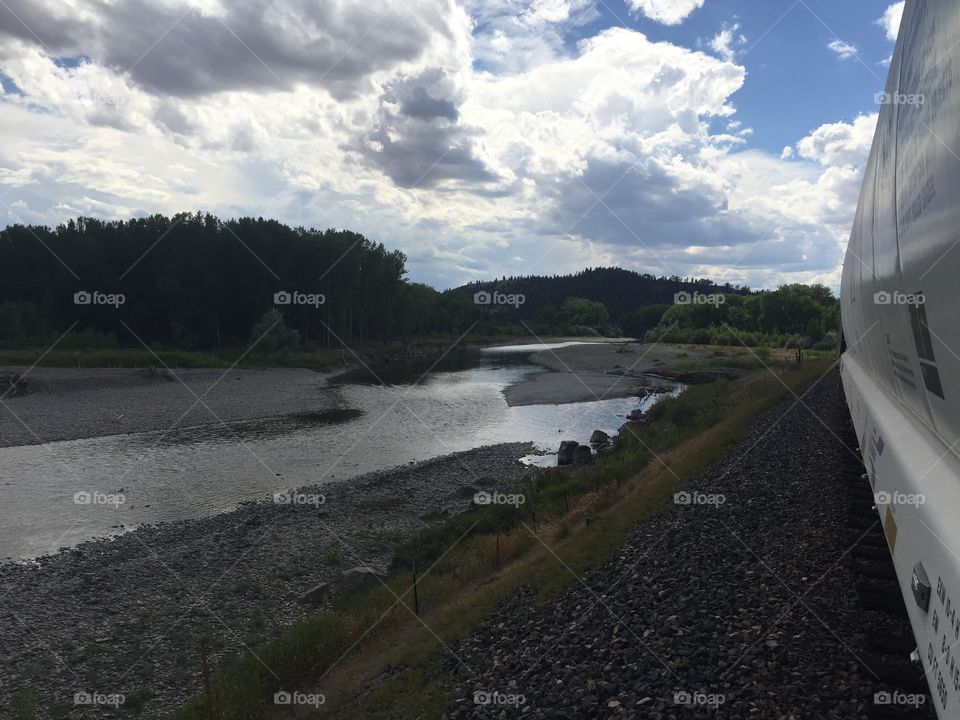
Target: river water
[(66, 492)]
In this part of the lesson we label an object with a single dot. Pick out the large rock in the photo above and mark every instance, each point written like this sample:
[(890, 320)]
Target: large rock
[(565, 455), (599, 437), (582, 455), (317, 594)]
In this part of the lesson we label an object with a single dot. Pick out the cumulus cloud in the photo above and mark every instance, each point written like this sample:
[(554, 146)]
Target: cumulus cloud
[(844, 50), (838, 144), (890, 20), (417, 139), (515, 35), (726, 42), (470, 137), (668, 12), (191, 49)]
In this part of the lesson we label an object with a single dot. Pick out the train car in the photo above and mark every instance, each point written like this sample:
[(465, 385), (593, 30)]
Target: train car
[(900, 359)]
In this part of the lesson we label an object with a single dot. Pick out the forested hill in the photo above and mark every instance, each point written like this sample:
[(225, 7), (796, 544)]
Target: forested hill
[(621, 291)]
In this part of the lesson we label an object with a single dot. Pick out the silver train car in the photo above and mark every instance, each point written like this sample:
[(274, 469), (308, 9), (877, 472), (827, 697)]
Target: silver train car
[(900, 346)]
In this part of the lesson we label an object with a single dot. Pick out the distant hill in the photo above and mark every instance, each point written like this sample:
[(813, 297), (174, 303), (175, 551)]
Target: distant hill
[(621, 291)]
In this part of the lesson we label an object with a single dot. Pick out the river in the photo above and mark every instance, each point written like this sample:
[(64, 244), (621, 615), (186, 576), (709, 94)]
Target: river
[(62, 493)]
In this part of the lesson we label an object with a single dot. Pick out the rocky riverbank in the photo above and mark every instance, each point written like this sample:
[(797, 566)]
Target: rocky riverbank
[(127, 616), (68, 404), (735, 601)]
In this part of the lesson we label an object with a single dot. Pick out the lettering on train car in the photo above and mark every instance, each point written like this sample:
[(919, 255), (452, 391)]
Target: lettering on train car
[(942, 663), (901, 370)]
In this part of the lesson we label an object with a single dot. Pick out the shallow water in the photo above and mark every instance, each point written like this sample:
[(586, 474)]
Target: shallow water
[(66, 492)]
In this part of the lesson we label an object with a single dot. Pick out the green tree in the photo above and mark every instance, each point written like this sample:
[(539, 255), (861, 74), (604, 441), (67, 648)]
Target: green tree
[(582, 312)]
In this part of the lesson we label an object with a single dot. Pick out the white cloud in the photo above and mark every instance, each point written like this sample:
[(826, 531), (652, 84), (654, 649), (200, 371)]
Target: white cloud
[(838, 144), (726, 42), (668, 12), (514, 35), (787, 153), (890, 21), (620, 150), (844, 50)]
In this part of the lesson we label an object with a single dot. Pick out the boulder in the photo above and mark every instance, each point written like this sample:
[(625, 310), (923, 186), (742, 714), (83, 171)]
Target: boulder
[(582, 455), (316, 594), (565, 455), (599, 437)]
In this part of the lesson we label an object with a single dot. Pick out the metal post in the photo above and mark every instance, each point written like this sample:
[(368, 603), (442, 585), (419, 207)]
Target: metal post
[(416, 596), (208, 693)]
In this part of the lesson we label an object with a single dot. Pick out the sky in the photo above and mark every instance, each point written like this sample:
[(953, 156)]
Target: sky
[(484, 138)]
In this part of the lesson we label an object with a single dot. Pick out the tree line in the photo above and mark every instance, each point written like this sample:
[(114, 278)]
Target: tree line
[(196, 282)]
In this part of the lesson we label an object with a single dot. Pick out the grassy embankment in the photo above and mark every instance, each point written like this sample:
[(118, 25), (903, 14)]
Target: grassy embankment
[(695, 358), (571, 522)]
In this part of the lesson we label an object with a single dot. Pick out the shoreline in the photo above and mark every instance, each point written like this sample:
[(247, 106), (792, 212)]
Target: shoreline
[(591, 372), (137, 604)]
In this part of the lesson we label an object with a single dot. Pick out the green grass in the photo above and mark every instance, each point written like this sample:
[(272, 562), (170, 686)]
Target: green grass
[(473, 561), (700, 358)]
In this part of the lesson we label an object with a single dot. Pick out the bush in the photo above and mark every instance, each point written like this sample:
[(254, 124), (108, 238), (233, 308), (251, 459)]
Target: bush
[(700, 336), (270, 333), (827, 342)]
